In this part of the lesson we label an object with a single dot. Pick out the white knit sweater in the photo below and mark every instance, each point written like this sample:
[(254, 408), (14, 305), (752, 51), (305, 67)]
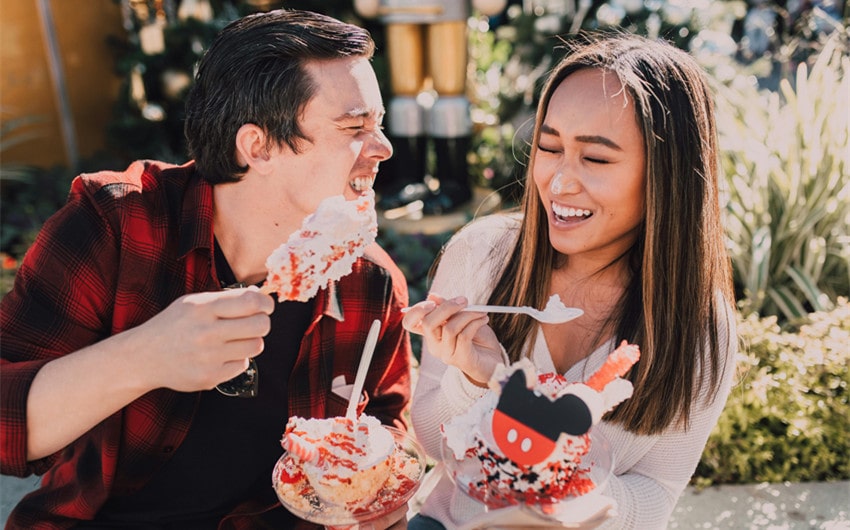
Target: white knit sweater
[(650, 472)]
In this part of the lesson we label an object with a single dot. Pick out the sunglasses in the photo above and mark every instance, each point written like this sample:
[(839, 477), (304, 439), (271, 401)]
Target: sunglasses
[(245, 384)]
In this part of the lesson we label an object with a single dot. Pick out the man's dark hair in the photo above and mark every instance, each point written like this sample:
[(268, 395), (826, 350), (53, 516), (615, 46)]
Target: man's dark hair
[(253, 72)]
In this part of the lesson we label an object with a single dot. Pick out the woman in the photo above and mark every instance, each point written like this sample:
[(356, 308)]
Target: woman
[(621, 218)]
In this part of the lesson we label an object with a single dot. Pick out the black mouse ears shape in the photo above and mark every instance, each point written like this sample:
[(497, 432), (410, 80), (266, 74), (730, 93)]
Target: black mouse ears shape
[(567, 413)]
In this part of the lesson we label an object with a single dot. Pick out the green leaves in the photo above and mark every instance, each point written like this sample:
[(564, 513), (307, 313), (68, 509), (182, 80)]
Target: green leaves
[(788, 417), (785, 156)]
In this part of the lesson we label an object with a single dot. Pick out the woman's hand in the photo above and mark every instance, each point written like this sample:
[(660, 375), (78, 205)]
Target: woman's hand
[(458, 338)]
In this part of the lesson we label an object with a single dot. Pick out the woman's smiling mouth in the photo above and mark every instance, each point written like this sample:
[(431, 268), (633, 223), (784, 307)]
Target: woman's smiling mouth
[(567, 213)]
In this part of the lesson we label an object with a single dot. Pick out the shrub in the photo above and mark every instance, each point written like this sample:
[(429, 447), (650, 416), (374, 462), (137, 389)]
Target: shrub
[(785, 155), (788, 417), (414, 254)]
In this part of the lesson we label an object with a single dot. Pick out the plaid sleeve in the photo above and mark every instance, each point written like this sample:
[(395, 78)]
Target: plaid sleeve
[(59, 304)]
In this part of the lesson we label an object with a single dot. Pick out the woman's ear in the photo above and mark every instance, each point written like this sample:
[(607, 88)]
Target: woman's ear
[(251, 148)]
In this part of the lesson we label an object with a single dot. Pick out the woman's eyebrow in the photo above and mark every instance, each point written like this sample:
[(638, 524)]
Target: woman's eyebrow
[(545, 129), (584, 138), (596, 139)]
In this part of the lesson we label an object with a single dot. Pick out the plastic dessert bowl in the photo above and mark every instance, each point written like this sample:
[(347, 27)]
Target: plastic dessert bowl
[(297, 494), (592, 472)]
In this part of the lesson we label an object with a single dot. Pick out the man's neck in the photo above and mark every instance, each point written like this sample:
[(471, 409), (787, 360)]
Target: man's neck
[(248, 228)]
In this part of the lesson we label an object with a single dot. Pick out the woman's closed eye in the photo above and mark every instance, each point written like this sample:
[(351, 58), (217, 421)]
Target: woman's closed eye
[(557, 150), (548, 149)]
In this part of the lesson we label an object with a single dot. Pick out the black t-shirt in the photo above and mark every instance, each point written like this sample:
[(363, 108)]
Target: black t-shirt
[(233, 443)]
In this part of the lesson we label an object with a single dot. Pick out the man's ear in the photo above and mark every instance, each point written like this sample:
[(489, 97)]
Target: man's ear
[(251, 148)]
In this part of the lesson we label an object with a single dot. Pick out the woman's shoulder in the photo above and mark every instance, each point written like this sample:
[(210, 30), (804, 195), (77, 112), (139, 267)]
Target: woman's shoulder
[(491, 231), (726, 318), (472, 259)]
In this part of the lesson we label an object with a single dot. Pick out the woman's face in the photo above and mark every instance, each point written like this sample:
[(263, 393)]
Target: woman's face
[(589, 168)]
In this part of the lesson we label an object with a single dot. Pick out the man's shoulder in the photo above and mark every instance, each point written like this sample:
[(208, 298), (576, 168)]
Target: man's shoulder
[(376, 255), (141, 175), (376, 262)]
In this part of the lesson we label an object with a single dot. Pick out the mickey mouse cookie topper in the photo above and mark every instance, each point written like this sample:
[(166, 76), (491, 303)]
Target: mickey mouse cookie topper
[(527, 425)]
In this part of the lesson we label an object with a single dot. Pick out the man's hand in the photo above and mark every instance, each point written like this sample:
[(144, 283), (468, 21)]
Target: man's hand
[(197, 342), (396, 520), (203, 339)]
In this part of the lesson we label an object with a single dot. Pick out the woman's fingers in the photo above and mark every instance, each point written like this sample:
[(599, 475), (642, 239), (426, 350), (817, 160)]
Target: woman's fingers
[(413, 316), (454, 336)]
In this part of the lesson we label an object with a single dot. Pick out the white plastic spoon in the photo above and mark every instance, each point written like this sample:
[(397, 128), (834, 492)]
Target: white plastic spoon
[(362, 369)]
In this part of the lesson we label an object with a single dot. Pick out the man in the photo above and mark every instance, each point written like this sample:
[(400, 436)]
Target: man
[(118, 329)]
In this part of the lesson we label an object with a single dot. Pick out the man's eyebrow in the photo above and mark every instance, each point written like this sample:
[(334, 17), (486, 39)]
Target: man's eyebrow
[(360, 112), (587, 138)]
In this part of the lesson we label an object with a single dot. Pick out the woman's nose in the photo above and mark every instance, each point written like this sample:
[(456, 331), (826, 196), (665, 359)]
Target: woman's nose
[(562, 184)]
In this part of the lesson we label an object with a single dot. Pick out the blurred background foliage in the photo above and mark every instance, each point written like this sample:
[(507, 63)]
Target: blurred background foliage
[(788, 418), (785, 155), (779, 70)]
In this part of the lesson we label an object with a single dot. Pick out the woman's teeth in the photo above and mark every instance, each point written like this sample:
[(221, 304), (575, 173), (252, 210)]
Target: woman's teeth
[(569, 213), (361, 184)]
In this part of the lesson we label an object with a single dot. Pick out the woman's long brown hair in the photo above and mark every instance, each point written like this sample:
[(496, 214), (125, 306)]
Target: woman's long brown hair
[(679, 262)]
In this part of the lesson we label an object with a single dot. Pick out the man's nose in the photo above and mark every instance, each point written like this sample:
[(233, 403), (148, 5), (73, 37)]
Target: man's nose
[(380, 146)]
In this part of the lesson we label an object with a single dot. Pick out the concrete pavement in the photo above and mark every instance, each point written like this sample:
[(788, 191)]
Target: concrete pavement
[(801, 506), (786, 506)]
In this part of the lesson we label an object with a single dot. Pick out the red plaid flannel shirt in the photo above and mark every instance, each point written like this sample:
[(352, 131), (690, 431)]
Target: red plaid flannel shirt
[(124, 247)]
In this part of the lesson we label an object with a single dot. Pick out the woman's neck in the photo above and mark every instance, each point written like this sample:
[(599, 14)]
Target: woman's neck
[(598, 295)]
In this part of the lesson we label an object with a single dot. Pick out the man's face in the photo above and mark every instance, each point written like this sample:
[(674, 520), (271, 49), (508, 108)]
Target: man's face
[(343, 120)]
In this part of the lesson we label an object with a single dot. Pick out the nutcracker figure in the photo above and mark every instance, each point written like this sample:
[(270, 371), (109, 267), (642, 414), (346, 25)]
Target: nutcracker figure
[(427, 45)]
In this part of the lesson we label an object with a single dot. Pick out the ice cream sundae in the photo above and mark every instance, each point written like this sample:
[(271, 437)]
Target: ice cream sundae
[(346, 462), (526, 440), (324, 249), (340, 471)]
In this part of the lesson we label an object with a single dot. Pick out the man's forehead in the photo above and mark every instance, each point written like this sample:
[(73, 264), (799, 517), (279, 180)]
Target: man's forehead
[(346, 89)]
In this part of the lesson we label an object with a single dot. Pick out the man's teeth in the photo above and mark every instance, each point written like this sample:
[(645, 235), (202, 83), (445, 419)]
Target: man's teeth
[(362, 183), (562, 211)]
